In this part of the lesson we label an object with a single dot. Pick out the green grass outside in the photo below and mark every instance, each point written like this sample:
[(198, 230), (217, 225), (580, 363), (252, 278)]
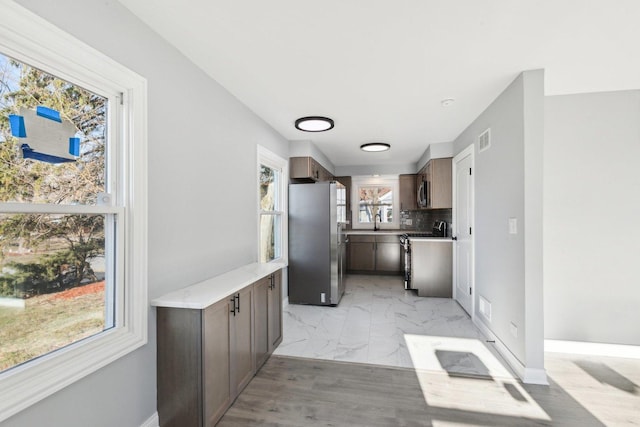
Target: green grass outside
[(47, 323)]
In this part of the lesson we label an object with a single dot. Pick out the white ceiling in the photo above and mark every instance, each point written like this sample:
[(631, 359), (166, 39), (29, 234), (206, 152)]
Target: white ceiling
[(380, 68)]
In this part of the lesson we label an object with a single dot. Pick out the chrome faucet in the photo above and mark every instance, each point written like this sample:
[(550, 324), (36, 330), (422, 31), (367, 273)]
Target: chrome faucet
[(376, 216)]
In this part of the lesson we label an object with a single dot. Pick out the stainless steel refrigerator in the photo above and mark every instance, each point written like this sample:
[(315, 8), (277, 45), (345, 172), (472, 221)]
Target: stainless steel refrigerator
[(317, 249)]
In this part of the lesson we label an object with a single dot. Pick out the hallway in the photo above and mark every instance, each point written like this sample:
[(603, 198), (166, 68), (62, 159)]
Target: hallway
[(386, 357), (379, 322)]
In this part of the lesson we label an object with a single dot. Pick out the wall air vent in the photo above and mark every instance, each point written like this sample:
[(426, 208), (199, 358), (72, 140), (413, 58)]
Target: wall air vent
[(484, 140), (485, 308)]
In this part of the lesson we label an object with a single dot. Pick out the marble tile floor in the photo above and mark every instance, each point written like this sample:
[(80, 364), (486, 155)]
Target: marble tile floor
[(379, 322)]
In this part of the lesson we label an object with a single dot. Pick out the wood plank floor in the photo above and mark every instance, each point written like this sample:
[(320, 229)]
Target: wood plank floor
[(292, 391)]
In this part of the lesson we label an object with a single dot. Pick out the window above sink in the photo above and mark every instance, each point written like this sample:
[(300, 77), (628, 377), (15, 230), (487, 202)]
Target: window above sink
[(375, 202)]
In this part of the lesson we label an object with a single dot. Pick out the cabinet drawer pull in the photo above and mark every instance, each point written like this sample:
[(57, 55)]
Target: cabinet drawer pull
[(237, 298), (233, 306)]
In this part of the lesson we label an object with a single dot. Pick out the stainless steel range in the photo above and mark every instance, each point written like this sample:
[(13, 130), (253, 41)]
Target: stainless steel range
[(409, 264)]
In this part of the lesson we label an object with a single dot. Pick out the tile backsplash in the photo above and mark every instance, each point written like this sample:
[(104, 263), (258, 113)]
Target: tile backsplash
[(422, 220)]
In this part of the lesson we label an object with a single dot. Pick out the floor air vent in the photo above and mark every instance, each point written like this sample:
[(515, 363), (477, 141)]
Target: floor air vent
[(484, 140)]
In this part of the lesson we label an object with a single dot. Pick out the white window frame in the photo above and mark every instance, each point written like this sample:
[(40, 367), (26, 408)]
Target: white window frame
[(34, 41), (366, 181), (268, 158)]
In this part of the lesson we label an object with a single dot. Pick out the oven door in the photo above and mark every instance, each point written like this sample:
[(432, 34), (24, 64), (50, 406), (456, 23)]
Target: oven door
[(406, 262)]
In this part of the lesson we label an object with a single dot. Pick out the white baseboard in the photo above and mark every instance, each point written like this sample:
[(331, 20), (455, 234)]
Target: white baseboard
[(535, 376), (285, 302), (153, 421), (592, 348), (527, 375)]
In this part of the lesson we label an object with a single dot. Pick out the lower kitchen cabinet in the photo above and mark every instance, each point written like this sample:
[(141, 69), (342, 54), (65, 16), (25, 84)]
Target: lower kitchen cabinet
[(207, 356), (216, 363), (388, 254), (261, 290), (362, 253), (374, 254), (194, 365), (275, 311), (268, 316), (241, 341)]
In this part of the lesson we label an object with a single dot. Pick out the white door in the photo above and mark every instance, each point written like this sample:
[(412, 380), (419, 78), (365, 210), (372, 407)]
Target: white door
[(463, 228)]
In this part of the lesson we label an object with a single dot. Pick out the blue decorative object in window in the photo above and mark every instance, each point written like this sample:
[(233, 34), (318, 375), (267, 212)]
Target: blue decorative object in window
[(49, 138)]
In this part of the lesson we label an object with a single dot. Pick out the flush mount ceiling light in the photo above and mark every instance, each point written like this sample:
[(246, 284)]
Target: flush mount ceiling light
[(375, 146), (314, 124)]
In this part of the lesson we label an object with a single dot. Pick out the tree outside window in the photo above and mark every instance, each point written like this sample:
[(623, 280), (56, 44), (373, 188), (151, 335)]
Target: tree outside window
[(375, 201), (52, 261), (270, 216)]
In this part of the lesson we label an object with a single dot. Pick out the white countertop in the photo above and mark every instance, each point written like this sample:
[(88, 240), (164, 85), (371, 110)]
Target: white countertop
[(431, 239), (210, 291), (373, 233)]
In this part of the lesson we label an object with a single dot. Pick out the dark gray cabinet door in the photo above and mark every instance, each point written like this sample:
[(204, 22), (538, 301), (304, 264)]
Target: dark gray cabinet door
[(361, 256), (179, 366), (388, 257), (275, 311), (262, 323), (241, 342), (216, 363)]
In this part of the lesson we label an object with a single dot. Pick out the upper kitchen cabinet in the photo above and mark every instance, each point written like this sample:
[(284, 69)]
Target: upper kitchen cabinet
[(407, 184), (307, 169), (434, 185)]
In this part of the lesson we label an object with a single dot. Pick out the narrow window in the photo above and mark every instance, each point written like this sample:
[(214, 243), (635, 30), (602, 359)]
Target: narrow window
[(271, 194)]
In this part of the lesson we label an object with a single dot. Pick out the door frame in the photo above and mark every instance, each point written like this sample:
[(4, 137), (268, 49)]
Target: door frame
[(469, 151)]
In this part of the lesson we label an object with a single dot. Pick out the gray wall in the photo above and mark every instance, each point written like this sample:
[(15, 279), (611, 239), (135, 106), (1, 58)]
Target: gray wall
[(358, 170), (300, 148), (591, 213), (202, 197), (435, 151), (500, 195)]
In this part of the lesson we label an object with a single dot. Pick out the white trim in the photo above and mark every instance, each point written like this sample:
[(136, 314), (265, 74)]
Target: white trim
[(469, 151), (29, 38), (358, 181), (592, 348), (272, 160), (39, 208), (152, 421), (527, 375)]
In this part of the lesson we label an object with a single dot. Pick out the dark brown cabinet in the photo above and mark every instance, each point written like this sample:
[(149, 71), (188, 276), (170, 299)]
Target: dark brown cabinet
[(274, 318), (408, 191), (307, 169), (268, 316), (241, 341), (436, 177), (371, 253), (194, 364), (216, 362), (388, 254), (362, 253), (261, 290), (207, 356)]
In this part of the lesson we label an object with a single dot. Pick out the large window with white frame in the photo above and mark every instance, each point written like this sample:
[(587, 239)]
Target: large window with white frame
[(375, 201), (272, 223), (73, 280)]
